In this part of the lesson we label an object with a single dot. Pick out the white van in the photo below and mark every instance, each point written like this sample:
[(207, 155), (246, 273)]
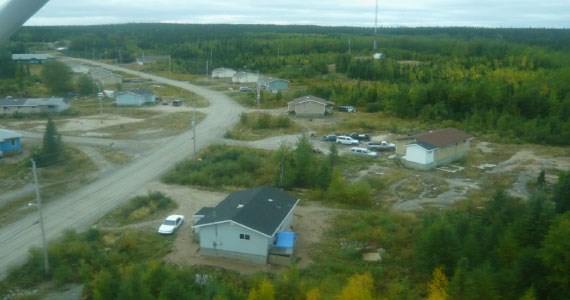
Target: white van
[(363, 151)]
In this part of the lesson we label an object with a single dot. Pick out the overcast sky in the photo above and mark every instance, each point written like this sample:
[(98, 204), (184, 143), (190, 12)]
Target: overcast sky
[(360, 13)]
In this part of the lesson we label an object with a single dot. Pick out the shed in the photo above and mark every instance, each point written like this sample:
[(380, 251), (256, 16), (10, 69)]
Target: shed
[(434, 148), (245, 225), (136, 97), (310, 106), (9, 142)]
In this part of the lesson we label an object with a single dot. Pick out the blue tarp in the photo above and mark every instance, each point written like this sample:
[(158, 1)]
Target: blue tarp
[(286, 239)]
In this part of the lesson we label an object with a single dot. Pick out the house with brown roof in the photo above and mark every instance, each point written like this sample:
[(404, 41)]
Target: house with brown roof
[(433, 148), (310, 106)]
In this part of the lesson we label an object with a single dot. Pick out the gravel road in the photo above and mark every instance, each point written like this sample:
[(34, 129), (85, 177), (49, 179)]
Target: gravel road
[(83, 207)]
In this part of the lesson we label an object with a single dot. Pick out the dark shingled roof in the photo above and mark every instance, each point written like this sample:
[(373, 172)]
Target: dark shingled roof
[(262, 209), (424, 145), (442, 137)]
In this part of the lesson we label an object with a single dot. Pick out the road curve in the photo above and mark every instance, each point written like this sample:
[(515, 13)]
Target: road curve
[(82, 208)]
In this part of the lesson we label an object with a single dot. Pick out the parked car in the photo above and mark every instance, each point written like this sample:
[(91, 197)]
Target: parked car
[(170, 224), (359, 136), (381, 146), (176, 102), (346, 140), (329, 138), (363, 151), (347, 108)]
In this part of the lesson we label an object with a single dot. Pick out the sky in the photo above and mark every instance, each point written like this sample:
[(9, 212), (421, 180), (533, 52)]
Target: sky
[(358, 13)]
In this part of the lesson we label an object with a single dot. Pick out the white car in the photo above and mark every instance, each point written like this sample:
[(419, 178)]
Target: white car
[(363, 151), (346, 140), (170, 224)]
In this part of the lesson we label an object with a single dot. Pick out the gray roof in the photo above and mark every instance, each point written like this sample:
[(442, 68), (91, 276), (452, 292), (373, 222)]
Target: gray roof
[(141, 91), (31, 56), (31, 101), (8, 134), (261, 209), (443, 137), (312, 99), (426, 146)]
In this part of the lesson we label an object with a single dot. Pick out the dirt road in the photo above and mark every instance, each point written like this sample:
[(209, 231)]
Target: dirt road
[(83, 207)]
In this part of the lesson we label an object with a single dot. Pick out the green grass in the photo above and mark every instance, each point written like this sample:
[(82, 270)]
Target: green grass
[(141, 208), (255, 126)]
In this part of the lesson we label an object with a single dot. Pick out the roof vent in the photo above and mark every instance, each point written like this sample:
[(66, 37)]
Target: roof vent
[(270, 200), (240, 205)]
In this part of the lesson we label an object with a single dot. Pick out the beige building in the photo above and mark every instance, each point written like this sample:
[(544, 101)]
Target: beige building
[(32, 105), (310, 106), (434, 148)]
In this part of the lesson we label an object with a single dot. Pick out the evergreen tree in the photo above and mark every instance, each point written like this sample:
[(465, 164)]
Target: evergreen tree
[(52, 149), (57, 77), (85, 86), (438, 285), (562, 193)]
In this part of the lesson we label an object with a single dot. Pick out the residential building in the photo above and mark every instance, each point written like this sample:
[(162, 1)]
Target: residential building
[(223, 73), (32, 105), (247, 225), (31, 59), (104, 77), (245, 77), (310, 106), (136, 97), (434, 148), (9, 142), (273, 85)]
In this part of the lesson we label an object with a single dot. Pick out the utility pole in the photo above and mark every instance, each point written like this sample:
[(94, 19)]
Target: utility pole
[(207, 73), (39, 202), (375, 25), (258, 92), (169, 64), (194, 126)]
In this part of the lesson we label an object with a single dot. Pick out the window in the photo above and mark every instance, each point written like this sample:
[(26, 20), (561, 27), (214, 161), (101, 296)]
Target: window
[(13, 142), (243, 236)]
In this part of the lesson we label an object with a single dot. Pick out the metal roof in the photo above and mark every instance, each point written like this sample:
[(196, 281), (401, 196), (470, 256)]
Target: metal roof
[(311, 99), (442, 137), (8, 134), (261, 209)]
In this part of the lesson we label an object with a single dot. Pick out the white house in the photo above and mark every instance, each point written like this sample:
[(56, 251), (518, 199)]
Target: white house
[(245, 77), (223, 73), (104, 77), (246, 225), (434, 148), (136, 97)]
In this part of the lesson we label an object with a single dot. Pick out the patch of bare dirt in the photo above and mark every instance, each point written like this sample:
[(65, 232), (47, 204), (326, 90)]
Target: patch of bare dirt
[(309, 222)]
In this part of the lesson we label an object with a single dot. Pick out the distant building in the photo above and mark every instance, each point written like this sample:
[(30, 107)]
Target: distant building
[(31, 59), (223, 73), (77, 67), (32, 105), (245, 77), (273, 85), (104, 77), (136, 97), (9, 142), (310, 106), (434, 148)]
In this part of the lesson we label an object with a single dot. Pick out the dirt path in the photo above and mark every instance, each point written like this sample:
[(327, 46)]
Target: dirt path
[(83, 207)]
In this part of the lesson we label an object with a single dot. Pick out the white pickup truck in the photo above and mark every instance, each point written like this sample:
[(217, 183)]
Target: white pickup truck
[(381, 146)]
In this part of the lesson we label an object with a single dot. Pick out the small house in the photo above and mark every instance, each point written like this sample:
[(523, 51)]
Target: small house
[(31, 59), (9, 142), (273, 85), (33, 105), (245, 77), (434, 148), (104, 77), (248, 225), (310, 106), (223, 73), (136, 97)]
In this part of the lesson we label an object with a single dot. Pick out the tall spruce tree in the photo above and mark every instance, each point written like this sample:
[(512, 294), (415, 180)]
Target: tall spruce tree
[(52, 147)]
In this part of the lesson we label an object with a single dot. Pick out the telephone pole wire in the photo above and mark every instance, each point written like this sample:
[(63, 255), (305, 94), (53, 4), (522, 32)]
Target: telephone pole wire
[(39, 202)]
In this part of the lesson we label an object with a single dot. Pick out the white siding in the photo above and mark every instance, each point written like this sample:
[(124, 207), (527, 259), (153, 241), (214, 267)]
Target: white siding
[(129, 99), (418, 154), (226, 237)]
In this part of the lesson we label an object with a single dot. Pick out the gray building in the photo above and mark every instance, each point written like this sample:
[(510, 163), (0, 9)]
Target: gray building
[(272, 84), (310, 106), (33, 105), (246, 225), (136, 97), (31, 59), (223, 73), (104, 77)]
